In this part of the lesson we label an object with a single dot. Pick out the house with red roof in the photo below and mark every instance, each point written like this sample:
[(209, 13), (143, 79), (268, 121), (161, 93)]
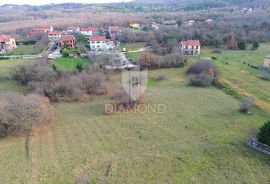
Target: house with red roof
[(89, 31), (68, 41), (55, 35), (191, 47), (7, 43), (114, 31), (100, 43), (40, 30)]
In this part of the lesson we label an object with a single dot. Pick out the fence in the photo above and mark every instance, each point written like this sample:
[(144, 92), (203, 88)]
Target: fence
[(252, 142)]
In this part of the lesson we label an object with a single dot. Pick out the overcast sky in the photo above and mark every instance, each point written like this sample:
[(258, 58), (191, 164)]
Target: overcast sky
[(39, 2)]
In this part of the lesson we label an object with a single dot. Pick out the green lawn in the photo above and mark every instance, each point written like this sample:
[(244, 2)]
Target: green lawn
[(240, 75), (7, 85), (200, 139), (23, 50), (134, 55), (133, 46), (69, 63)]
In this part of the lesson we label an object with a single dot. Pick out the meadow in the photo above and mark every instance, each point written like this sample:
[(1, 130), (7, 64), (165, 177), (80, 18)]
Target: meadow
[(201, 138), (69, 63)]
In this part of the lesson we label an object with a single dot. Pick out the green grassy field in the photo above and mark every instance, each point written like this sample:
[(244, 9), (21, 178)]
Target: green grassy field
[(133, 46), (200, 139), (240, 75), (69, 63), (23, 50)]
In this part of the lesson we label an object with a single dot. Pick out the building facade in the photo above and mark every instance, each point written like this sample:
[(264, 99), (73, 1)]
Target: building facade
[(55, 35), (40, 30), (100, 43), (89, 31), (68, 41), (191, 47), (7, 43)]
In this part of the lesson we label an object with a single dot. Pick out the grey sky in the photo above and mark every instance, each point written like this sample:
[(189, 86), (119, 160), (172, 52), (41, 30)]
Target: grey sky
[(40, 2)]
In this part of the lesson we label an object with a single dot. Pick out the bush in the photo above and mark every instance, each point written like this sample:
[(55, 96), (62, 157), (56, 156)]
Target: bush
[(264, 134), (255, 45), (203, 66), (160, 77), (60, 86), (246, 104), (20, 114), (33, 72), (203, 79), (216, 51), (167, 61), (242, 44)]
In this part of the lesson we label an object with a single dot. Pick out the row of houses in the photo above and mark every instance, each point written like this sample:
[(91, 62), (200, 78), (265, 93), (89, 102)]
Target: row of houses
[(66, 37), (156, 26), (7, 43)]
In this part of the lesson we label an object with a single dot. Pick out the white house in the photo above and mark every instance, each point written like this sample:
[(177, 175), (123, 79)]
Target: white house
[(267, 61), (100, 43), (89, 31), (55, 35), (209, 21), (73, 29), (190, 23), (191, 47)]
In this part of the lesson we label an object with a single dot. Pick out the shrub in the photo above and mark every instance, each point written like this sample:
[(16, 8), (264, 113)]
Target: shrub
[(20, 114), (203, 79), (255, 45), (214, 58), (264, 134), (33, 72), (216, 51), (160, 77), (203, 66), (241, 44), (246, 104), (167, 61)]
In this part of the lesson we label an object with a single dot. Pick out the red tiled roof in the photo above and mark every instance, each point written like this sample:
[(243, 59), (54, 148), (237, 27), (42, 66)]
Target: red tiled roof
[(191, 43), (98, 38), (89, 29), (56, 33), (5, 38), (68, 38)]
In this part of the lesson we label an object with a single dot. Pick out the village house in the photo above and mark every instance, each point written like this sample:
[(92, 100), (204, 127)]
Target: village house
[(100, 43), (73, 29), (40, 30), (169, 23), (68, 41), (267, 61), (135, 25), (114, 31), (55, 35), (209, 21), (190, 23), (7, 43), (89, 31), (191, 47)]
